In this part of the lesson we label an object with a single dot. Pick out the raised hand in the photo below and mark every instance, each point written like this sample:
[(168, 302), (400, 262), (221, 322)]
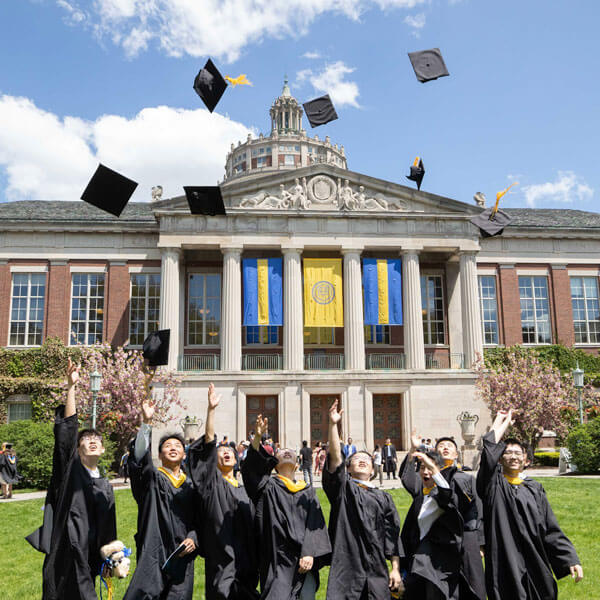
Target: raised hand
[(213, 397), (261, 426), (414, 439), (335, 416), (72, 373), (430, 464), (147, 409), (504, 419)]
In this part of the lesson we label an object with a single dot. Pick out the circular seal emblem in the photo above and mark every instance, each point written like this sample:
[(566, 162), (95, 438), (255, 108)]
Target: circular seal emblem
[(323, 292)]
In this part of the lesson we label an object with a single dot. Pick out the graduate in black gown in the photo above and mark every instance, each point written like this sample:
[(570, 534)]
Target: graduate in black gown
[(227, 529), (79, 514), (469, 505), (524, 544), (8, 470), (166, 514), (364, 526), (293, 543), (432, 534)]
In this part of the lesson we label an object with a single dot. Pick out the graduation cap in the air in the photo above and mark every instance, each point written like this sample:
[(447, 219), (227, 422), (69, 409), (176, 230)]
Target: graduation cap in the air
[(428, 64), (156, 348), (320, 111), (492, 221), (210, 85), (109, 190), (205, 199), (417, 172)]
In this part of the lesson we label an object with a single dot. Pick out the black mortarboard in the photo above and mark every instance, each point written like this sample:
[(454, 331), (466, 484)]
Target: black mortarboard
[(428, 64), (495, 225), (205, 199), (156, 348), (320, 111), (109, 190), (417, 172), (210, 85)]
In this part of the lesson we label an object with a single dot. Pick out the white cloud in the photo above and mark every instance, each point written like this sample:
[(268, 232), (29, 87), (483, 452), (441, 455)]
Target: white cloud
[(74, 14), (332, 80), (417, 22), (46, 157), (220, 28), (311, 55), (567, 188)]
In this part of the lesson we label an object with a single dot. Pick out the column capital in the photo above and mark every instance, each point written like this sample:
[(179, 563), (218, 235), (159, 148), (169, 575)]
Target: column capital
[(358, 250), (411, 251), (292, 249), (235, 250), (472, 253), (172, 250)]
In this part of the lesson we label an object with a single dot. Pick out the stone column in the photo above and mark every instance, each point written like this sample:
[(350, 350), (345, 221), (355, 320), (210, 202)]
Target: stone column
[(471, 317), (354, 331), (231, 311), (293, 320), (414, 347), (169, 299), (455, 329)]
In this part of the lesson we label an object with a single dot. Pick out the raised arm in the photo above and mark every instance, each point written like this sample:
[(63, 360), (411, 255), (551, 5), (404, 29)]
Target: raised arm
[(504, 419), (335, 453), (213, 402), (257, 467), (72, 381)]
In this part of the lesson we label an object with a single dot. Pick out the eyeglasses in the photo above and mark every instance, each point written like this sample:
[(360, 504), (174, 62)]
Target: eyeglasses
[(513, 453), (91, 438)]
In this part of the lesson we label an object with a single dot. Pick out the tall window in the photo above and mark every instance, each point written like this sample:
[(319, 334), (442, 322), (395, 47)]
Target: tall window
[(144, 311), (432, 304), (586, 309), (489, 309), (319, 335), (27, 310), (262, 334), (377, 334), (204, 309), (535, 311), (87, 308)]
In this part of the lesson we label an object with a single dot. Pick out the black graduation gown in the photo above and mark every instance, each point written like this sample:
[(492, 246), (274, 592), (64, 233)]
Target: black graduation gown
[(227, 529), (289, 525), (166, 516), (364, 528), (470, 507), (79, 518), (8, 470), (523, 541), (435, 559)]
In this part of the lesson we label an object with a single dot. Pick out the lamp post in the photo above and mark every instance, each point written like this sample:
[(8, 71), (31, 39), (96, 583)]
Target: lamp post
[(95, 380), (578, 383)]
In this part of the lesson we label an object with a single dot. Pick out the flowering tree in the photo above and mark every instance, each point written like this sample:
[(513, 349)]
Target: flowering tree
[(121, 391), (536, 391)]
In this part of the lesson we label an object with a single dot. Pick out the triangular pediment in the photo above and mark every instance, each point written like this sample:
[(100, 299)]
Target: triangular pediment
[(325, 188)]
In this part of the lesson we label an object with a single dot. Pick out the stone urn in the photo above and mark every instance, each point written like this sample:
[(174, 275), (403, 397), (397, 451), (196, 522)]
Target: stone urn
[(467, 426), (191, 427)]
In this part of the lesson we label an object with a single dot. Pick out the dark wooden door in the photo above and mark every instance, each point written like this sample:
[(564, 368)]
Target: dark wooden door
[(267, 407), (319, 416), (387, 419)]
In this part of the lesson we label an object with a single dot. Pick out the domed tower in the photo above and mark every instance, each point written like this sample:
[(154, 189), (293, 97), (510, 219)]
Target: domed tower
[(286, 113), (286, 147)]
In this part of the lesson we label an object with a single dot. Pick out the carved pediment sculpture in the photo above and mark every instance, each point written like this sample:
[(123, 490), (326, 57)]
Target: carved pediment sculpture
[(322, 192)]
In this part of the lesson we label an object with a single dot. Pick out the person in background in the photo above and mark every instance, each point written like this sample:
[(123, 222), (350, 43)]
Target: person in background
[(306, 462), (316, 454), (389, 458), (349, 449), (378, 464), (8, 470), (123, 466)]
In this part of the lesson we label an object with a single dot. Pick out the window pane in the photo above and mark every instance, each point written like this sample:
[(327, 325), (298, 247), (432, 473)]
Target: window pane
[(586, 309), (432, 304), (535, 312), (27, 309), (87, 308), (204, 309)]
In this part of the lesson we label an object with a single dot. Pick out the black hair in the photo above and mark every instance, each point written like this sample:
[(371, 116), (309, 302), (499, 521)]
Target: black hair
[(89, 431), (304, 443), (435, 456), (376, 446), (446, 439), (515, 442), (171, 436)]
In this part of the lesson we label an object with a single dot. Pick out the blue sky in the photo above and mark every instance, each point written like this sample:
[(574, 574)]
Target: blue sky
[(85, 81)]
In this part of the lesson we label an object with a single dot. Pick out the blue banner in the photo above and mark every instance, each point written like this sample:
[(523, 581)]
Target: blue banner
[(263, 294), (382, 288)]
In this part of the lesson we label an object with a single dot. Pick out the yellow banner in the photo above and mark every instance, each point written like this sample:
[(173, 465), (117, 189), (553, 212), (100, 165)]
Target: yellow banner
[(323, 298)]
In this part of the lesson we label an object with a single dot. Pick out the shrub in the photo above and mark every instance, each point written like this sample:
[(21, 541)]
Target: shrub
[(547, 459), (584, 444), (34, 444)]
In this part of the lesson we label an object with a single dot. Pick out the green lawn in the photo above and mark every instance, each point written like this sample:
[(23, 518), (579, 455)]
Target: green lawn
[(575, 502)]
